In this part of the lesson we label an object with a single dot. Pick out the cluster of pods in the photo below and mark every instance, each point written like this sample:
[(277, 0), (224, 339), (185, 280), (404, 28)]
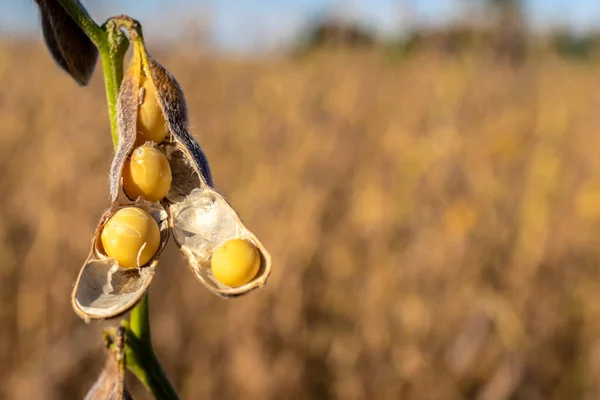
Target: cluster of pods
[(161, 185)]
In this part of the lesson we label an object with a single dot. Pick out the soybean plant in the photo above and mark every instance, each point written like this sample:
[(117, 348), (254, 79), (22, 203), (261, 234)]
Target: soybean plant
[(160, 186)]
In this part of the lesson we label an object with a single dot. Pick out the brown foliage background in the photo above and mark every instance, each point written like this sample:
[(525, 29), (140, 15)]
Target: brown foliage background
[(434, 227)]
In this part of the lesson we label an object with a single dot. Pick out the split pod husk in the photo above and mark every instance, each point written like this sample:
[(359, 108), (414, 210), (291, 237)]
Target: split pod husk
[(111, 384), (200, 219)]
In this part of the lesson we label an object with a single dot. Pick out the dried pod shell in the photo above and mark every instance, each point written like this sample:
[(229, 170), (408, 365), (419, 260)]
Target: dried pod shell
[(111, 384), (127, 108), (68, 44), (200, 218), (103, 288), (203, 221)]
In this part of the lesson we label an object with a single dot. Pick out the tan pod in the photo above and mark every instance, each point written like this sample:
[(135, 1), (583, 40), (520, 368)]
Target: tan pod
[(104, 289), (200, 218)]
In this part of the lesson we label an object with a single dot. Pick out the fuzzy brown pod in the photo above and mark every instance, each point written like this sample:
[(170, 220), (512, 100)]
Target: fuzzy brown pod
[(111, 384), (200, 219), (68, 44), (104, 289)]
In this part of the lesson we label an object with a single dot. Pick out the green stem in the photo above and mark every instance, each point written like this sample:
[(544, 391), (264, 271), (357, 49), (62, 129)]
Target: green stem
[(112, 65), (140, 356), (139, 320), (112, 45)]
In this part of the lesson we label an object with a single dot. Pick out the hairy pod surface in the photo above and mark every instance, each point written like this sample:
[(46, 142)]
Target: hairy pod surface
[(70, 47)]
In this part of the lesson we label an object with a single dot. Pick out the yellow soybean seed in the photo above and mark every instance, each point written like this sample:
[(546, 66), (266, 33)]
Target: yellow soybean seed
[(235, 263), (131, 236), (151, 124), (147, 174)]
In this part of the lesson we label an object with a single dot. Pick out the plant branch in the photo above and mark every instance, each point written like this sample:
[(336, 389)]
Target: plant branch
[(112, 45), (140, 356), (139, 320), (112, 65)]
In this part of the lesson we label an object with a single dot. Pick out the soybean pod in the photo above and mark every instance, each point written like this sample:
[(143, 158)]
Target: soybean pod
[(161, 184)]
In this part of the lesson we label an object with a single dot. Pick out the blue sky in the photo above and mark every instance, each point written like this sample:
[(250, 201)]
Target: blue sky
[(246, 24)]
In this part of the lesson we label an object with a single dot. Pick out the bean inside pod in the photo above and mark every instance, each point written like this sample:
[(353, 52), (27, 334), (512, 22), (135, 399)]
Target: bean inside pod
[(161, 169), (106, 289), (134, 230), (201, 220)]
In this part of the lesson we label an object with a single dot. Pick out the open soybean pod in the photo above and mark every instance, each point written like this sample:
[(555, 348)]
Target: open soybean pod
[(108, 286), (201, 220)]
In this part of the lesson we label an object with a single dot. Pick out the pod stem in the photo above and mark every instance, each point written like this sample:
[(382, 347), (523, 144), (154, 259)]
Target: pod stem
[(112, 66), (112, 45), (140, 356)]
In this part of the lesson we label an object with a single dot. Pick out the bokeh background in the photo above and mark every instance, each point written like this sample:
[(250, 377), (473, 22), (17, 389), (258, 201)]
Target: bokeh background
[(425, 174)]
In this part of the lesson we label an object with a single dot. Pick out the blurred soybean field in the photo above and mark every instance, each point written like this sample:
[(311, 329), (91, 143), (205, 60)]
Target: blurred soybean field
[(433, 217)]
